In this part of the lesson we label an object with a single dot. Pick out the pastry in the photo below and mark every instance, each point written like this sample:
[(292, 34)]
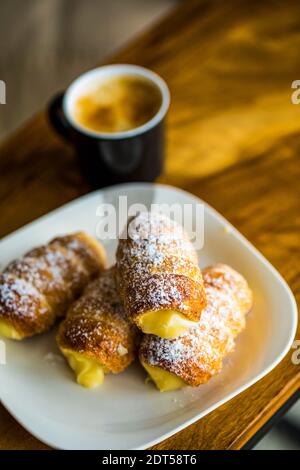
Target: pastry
[(96, 336), (197, 355), (37, 289), (159, 279)]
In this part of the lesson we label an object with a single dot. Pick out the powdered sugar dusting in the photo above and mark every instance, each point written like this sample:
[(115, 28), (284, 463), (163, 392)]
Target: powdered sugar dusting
[(97, 325), (39, 286), (197, 355), (18, 294), (156, 264), (224, 277)]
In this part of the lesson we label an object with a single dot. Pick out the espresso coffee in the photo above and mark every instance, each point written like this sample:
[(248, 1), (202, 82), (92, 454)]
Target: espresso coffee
[(114, 116), (118, 104)]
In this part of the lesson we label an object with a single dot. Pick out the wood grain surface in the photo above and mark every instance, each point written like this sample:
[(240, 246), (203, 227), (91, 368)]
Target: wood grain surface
[(233, 140)]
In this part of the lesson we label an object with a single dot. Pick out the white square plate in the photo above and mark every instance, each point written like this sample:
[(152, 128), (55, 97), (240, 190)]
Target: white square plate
[(39, 390)]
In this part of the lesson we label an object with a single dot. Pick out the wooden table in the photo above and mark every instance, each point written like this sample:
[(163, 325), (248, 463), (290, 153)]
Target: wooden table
[(233, 140)]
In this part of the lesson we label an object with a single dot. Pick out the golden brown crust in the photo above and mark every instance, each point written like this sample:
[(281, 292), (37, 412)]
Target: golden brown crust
[(36, 289), (97, 326), (157, 269), (90, 252), (223, 276), (165, 292), (23, 307), (197, 355)]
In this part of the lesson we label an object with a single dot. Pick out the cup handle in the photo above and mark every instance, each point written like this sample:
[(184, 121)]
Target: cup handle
[(57, 117)]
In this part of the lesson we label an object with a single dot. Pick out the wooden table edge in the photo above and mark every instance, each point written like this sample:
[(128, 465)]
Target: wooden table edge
[(290, 393)]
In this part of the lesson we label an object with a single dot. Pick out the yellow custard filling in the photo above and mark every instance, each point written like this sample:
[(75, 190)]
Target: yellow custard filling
[(165, 323), (8, 331), (165, 381), (89, 373)]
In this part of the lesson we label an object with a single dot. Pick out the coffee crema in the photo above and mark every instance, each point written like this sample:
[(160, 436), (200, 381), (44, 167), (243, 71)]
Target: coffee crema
[(118, 104)]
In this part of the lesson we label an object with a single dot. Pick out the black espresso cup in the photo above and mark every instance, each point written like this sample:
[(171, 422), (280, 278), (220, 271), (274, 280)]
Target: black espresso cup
[(111, 155)]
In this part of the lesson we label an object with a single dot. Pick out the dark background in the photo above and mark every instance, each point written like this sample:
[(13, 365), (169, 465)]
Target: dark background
[(44, 44)]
